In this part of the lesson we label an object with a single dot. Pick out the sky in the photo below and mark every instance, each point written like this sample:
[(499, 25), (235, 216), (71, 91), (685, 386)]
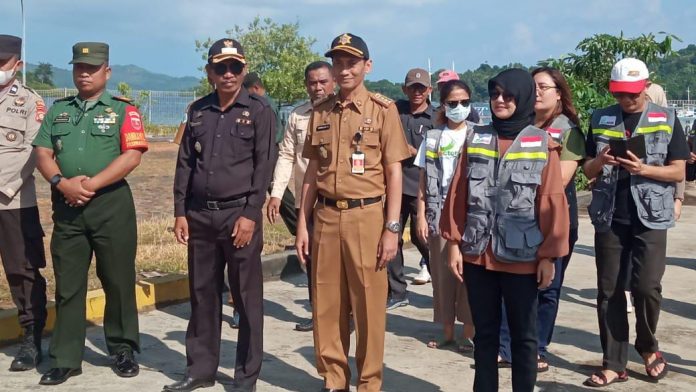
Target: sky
[(159, 35)]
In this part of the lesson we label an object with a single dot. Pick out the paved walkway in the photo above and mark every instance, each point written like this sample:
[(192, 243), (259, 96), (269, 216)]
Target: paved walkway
[(409, 365)]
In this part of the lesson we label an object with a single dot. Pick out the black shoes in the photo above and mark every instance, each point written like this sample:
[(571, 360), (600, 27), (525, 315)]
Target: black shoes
[(234, 323), (188, 384), (306, 326), (29, 354), (126, 365), (57, 376)]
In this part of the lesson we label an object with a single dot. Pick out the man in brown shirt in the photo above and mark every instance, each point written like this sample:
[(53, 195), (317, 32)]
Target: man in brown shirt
[(355, 145)]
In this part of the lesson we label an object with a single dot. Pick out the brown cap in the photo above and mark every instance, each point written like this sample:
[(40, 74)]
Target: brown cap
[(226, 49), (417, 76)]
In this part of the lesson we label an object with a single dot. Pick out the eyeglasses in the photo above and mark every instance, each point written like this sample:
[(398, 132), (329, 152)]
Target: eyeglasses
[(632, 96), (221, 68), (542, 88), (453, 104), (507, 97)]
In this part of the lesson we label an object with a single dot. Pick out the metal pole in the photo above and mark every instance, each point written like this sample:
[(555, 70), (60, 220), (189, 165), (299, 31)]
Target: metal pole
[(149, 108), (24, 46)]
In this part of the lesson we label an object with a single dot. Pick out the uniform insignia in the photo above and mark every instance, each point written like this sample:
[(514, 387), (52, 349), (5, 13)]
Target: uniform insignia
[(62, 118), (14, 89), (633, 73), (20, 101), (554, 132), (607, 120), (98, 119), (530, 141), (11, 136), (482, 138), (368, 121), (344, 39), (323, 127), (85, 50), (40, 110), (59, 144), (382, 100), (365, 129), (228, 43), (243, 121), (245, 113), (103, 127), (108, 110), (197, 146), (657, 117), (323, 152)]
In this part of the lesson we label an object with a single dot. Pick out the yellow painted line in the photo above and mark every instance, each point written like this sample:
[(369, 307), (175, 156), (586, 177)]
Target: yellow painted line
[(149, 294)]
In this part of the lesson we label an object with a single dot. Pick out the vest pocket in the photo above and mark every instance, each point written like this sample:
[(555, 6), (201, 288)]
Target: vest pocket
[(658, 204), (600, 206), (473, 242), (524, 185), (521, 237)]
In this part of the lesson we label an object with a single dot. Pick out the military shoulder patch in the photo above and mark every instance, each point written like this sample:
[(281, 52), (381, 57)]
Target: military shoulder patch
[(70, 98), (381, 99)]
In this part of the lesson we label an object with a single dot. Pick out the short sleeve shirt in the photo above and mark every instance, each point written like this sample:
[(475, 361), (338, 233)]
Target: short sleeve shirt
[(87, 136), (331, 140)]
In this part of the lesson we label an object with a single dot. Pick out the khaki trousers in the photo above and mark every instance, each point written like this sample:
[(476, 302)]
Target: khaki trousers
[(450, 299), (344, 261)]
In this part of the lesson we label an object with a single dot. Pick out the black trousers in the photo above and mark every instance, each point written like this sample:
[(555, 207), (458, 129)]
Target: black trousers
[(487, 289), (210, 249), (645, 249), (395, 268), (288, 212), (23, 255)]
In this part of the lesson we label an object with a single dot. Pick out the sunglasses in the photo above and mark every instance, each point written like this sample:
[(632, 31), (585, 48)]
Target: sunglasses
[(453, 104), (507, 97), (221, 68), (632, 96)]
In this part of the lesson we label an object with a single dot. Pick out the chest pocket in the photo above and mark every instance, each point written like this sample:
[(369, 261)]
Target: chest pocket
[(12, 131), (656, 146), (321, 143), (111, 131), (524, 186), (243, 143), (370, 146)]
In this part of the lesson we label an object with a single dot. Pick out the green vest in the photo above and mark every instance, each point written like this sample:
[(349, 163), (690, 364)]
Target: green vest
[(654, 199), (84, 141), (502, 193)]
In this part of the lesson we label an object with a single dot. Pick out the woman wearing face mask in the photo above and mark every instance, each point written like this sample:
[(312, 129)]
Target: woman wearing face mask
[(506, 221), (556, 114), (437, 157)]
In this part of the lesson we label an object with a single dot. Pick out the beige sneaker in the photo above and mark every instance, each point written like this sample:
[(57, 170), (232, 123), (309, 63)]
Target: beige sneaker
[(423, 276)]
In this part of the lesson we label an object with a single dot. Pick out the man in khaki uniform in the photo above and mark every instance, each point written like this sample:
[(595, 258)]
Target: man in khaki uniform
[(319, 84), (21, 236), (355, 145)]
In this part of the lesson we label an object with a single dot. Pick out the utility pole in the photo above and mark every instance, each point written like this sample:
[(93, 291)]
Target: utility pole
[(24, 45)]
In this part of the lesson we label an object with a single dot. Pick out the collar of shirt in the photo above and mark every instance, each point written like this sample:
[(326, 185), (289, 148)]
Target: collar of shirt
[(212, 100), (356, 99), (105, 99), (404, 108), (305, 108)]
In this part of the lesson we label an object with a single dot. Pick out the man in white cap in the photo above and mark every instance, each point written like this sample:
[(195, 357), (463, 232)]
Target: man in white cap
[(632, 207)]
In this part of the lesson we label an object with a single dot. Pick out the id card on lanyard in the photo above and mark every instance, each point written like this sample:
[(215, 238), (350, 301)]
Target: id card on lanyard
[(357, 159)]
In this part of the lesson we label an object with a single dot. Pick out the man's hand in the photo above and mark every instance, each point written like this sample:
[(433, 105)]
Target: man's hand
[(386, 250), (677, 209), (242, 232), (606, 158), (692, 158), (455, 262), (181, 232), (74, 192), (272, 209), (412, 150), (633, 164), (545, 271), (422, 229), (302, 243)]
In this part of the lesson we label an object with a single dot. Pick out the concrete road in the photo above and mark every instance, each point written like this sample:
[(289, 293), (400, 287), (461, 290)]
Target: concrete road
[(409, 365)]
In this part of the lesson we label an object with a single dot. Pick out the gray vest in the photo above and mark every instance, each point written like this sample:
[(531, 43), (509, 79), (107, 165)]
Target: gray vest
[(654, 199), (502, 194), (434, 195), (558, 129)]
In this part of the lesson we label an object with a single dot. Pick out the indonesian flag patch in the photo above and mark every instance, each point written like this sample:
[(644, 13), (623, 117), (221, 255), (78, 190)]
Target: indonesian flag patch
[(530, 141), (554, 133), (657, 117)]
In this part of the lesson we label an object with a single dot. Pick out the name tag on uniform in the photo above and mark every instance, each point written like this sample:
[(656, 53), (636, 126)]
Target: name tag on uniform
[(607, 120), (357, 164), (244, 121), (323, 127), (365, 129), (482, 138), (62, 118)]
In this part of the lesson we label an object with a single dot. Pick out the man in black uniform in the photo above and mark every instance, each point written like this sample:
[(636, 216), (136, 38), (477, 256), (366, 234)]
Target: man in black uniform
[(222, 174)]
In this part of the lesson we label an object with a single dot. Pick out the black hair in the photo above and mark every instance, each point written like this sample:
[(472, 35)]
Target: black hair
[(450, 85), (252, 79), (316, 65)]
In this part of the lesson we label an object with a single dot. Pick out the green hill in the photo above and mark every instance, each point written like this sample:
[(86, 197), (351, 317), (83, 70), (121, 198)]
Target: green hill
[(677, 72)]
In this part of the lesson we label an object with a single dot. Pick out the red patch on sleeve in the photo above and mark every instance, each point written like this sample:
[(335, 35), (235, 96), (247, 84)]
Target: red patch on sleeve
[(132, 132), (40, 110)]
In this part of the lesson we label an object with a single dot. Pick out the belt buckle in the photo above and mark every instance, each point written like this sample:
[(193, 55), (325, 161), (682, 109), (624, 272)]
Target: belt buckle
[(212, 205), (342, 204)]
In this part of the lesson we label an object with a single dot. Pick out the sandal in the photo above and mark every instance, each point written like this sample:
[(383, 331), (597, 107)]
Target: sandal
[(465, 345), (542, 365), (442, 344), (620, 377), (659, 359)]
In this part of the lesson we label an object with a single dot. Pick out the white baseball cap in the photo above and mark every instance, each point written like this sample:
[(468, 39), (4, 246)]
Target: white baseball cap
[(628, 76)]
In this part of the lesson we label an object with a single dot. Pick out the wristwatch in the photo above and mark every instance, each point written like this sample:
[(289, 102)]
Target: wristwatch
[(55, 180), (393, 226)]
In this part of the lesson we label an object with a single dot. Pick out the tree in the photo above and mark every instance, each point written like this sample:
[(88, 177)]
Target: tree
[(278, 53), (44, 73)]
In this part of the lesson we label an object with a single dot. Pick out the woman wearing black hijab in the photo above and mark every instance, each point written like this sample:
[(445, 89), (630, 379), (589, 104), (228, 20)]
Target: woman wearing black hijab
[(506, 220)]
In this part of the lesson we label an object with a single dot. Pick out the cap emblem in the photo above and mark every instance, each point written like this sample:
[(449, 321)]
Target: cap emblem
[(85, 50), (418, 75), (345, 39), (633, 73), (228, 43)]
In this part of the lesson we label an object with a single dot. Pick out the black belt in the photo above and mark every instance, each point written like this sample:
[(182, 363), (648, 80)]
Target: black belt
[(222, 205), (347, 204)]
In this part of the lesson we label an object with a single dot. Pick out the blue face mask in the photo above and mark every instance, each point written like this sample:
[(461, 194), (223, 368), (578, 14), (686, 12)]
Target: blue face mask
[(458, 114)]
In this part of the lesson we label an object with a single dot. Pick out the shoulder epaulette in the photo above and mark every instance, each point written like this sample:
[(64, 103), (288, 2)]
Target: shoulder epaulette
[(321, 101), (259, 98), (381, 99), (123, 99), (70, 98)]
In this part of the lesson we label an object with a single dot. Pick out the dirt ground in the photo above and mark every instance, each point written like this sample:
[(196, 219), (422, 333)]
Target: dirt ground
[(151, 184)]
